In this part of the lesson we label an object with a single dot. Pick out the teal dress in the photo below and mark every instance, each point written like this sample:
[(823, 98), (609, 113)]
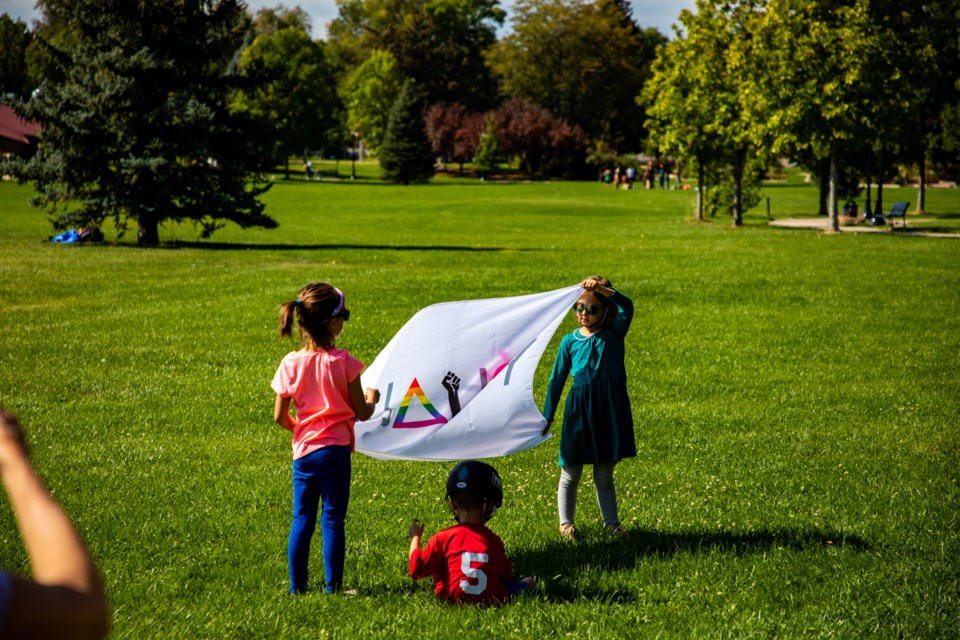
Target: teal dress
[(597, 420)]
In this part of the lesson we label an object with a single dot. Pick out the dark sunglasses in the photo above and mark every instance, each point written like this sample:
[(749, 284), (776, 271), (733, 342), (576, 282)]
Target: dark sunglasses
[(345, 314), (589, 309)]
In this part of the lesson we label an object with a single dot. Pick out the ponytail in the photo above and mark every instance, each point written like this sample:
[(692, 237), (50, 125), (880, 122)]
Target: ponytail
[(286, 319)]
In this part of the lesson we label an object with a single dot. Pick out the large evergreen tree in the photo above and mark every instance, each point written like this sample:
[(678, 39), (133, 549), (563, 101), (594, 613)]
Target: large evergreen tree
[(406, 154), (139, 130)]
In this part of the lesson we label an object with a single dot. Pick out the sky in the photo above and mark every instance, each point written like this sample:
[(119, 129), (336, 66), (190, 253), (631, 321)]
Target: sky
[(659, 14)]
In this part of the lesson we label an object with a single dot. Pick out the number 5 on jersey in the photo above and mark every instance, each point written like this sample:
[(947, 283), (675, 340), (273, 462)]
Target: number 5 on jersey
[(467, 561)]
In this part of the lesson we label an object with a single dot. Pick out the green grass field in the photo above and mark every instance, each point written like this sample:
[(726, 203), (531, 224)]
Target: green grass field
[(796, 398)]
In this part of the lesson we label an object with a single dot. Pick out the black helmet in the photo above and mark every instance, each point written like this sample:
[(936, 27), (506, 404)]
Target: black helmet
[(477, 479)]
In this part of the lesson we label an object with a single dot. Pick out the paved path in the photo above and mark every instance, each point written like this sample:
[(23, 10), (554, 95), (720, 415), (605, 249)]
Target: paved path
[(823, 223)]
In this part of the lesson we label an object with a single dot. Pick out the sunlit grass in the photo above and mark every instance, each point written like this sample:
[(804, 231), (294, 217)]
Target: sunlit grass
[(796, 398)]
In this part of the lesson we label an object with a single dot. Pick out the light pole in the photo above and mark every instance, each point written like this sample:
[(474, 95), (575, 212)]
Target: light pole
[(353, 163)]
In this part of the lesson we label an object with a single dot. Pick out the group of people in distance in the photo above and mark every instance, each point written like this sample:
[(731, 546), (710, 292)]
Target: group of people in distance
[(655, 173), (466, 561), (65, 598)]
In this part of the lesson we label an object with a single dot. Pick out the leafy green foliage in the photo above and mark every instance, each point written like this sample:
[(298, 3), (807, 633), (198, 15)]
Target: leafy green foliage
[(139, 129), (369, 92), (14, 40), (440, 44), (585, 62), (489, 154), (406, 155), (289, 86)]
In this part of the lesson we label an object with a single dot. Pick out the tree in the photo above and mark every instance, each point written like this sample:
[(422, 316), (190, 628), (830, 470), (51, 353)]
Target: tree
[(696, 98), (140, 130), (290, 85), (440, 44), (269, 21), (678, 105), (488, 154), (406, 155), (544, 144), (369, 92), (584, 62), (454, 132), (831, 77), (14, 39)]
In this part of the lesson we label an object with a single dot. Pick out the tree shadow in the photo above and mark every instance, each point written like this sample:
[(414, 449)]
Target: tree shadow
[(243, 246), (564, 559)]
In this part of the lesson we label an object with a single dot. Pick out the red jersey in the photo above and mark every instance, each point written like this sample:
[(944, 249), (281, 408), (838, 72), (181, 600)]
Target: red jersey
[(468, 565)]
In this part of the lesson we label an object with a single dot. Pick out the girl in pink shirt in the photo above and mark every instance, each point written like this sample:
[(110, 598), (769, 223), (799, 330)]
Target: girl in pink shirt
[(323, 383)]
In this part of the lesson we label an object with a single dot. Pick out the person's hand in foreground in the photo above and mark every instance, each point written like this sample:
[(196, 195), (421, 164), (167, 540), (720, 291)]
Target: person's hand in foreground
[(65, 598)]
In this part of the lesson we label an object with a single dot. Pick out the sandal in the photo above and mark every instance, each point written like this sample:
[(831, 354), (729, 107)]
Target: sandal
[(567, 531), (616, 529)]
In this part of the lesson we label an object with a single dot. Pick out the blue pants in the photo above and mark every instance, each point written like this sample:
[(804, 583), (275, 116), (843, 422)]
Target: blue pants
[(321, 475)]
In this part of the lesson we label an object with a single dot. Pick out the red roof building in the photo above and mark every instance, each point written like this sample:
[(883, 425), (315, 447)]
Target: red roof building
[(17, 136)]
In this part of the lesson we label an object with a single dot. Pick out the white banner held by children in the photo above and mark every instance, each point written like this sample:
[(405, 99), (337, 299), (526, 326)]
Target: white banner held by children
[(456, 381)]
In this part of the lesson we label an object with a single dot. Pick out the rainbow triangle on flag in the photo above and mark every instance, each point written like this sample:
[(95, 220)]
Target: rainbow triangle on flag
[(416, 391)]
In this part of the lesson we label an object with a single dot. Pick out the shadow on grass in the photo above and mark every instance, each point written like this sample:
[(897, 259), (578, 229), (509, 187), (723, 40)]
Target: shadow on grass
[(243, 246), (601, 551)]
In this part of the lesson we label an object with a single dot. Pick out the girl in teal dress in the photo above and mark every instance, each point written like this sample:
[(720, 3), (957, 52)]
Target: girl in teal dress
[(597, 421)]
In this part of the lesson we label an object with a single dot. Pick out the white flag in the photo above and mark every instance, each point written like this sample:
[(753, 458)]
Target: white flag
[(456, 381)]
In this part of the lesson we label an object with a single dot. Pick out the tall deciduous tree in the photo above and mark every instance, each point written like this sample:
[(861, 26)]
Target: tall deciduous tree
[(14, 39), (585, 62), (831, 77), (406, 155), (438, 43), (291, 87), (139, 130), (369, 92), (544, 144), (454, 132), (696, 98)]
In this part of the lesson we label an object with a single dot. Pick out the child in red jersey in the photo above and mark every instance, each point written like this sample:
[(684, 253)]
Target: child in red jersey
[(467, 561)]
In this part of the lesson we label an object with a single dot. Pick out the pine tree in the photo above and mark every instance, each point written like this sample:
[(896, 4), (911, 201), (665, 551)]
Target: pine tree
[(140, 130), (406, 154)]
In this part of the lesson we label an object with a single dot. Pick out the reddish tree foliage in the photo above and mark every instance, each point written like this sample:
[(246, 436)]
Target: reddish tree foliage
[(545, 144), (454, 132)]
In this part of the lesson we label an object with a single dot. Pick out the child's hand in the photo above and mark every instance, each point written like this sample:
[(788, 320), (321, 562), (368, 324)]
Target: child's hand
[(416, 529), (589, 283), (546, 429), (373, 395), (12, 445), (592, 284)]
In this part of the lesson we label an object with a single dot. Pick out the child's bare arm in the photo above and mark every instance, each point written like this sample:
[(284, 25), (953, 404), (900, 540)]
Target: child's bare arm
[(416, 532)]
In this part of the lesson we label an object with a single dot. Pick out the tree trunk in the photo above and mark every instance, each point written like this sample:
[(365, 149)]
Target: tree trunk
[(148, 229), (739, 159), (824, 185), (834, 174), (700, 189), (286, 168), (866, 203), (922, 191), (878, 211)]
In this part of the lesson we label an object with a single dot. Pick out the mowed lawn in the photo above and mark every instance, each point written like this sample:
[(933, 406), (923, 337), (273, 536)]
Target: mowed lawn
[(796, 398)]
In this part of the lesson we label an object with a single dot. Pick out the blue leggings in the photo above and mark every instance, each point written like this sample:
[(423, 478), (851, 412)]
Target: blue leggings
[(321, 475)]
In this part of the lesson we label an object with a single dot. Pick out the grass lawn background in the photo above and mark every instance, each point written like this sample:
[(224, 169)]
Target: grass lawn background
[(796, 398)]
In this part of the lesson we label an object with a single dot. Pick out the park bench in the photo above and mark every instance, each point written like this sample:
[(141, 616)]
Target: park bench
[(898, 210)]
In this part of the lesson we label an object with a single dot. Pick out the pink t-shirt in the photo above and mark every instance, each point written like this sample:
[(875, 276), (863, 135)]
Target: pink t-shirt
[(317, 382)]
